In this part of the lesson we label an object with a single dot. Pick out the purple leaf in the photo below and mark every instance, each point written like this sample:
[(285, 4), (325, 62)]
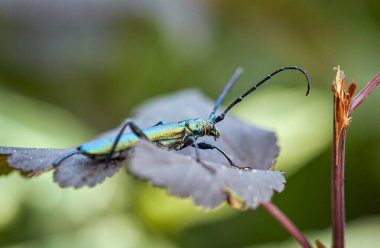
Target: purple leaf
[(178, 171), (78, 171), (182, 176), (31, 160), (75, 171)]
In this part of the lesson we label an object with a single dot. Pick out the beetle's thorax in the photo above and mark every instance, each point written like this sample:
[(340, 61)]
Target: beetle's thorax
[(200, 127)]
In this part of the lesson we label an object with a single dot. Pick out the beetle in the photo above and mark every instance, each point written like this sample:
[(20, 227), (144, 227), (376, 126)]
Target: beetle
[(173, 135)]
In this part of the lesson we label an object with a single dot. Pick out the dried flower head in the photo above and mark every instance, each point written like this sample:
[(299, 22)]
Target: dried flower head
[(342, 101)]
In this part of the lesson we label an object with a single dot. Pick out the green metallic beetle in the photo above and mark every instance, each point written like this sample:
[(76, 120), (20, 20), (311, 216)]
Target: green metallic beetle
[(174, 135)]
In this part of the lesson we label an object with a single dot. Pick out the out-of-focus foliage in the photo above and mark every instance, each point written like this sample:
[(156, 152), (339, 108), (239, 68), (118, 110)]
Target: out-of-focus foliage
[(360, 233), (68, 68)]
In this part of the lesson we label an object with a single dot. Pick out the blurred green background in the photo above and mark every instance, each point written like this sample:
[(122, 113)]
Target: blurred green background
[(72, 69)]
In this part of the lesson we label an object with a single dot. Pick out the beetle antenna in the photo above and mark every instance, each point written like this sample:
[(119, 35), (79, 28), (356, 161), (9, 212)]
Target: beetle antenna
[(239, 99), (228, 87)]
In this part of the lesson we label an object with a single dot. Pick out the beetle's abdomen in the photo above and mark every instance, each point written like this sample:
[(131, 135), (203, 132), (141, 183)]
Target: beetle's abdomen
[(170, 131), (103, 146)]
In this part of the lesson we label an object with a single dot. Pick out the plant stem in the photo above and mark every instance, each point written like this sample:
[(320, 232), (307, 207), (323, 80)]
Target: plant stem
[(286, 223), (342, 106), (337, 194), (364, 93)]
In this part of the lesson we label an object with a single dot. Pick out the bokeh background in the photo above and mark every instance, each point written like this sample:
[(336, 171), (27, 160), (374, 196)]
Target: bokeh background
[(72, 69)]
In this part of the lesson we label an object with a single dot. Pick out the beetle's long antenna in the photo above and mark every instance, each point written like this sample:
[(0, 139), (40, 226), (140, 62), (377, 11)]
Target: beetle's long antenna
[(228, 87), (239, 99)]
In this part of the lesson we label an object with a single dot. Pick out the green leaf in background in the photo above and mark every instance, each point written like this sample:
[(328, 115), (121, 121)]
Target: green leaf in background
[(113, 232), (363, 232), (301, 123), (29, 123)]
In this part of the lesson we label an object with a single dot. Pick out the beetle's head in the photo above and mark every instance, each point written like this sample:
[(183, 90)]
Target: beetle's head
[(214, 132), (211, 129)]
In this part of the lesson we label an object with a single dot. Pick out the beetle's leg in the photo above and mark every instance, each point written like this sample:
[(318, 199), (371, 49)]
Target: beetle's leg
[(207, 145), (63, 157), (191, 142), (134, 128)]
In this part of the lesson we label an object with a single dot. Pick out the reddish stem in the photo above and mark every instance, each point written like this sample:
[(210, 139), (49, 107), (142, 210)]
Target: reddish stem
[(286, 223), (338, 209), (364, 93)]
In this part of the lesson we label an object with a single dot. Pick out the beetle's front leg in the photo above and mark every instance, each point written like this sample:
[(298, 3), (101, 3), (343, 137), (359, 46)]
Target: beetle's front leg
[(209, 146), (190, 141)]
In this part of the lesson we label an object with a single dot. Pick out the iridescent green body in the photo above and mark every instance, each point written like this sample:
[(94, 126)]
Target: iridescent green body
[(173, 135)]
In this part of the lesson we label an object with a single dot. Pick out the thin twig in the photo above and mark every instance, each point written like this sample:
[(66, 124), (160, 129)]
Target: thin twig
[(338, 209), (364, 93), (286, 223)]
